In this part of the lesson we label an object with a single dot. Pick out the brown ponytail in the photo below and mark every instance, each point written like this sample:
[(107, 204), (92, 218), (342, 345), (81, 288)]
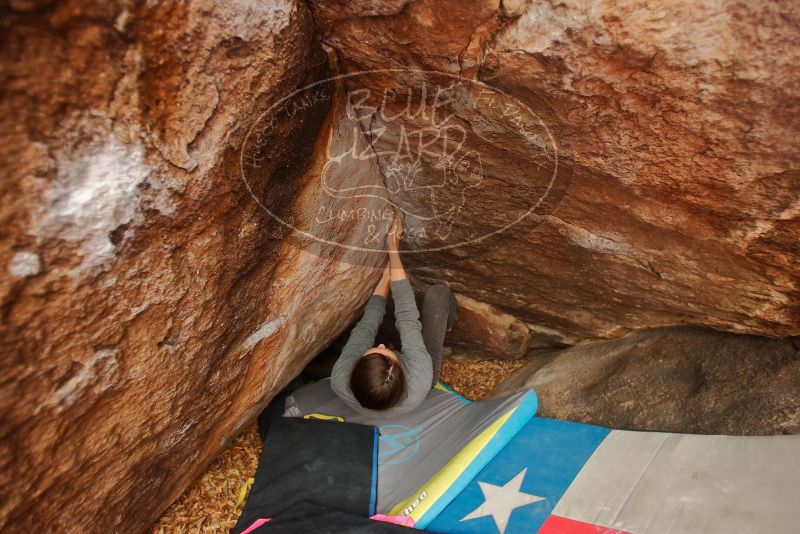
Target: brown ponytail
[(377, 382)]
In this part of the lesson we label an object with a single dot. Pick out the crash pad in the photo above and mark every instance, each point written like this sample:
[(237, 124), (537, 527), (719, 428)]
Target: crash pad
[(491, 466), (558, 477), (319, 462), (428, 456)]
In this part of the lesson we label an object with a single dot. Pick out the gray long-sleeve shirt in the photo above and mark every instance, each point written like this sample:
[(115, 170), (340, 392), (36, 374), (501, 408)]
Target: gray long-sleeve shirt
[(413, 356)]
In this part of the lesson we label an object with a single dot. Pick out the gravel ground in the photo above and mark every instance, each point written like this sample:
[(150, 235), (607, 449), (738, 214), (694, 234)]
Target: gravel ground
[(475, 379), (214, 501)]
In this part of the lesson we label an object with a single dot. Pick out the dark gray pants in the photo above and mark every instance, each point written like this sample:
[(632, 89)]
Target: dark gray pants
[(437, 314)]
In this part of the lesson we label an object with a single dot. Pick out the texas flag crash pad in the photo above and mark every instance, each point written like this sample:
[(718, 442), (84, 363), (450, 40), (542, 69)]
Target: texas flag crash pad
[(428, 456), (455, 466), (557, 477)]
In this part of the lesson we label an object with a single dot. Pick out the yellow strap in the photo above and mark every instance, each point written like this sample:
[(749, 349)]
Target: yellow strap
[(324, 417), (243, 491)]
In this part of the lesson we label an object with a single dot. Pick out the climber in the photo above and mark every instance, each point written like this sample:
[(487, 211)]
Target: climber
[(369, 378)]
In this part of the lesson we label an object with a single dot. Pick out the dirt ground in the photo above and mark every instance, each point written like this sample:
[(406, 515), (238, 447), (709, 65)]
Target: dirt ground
[(213, 503)]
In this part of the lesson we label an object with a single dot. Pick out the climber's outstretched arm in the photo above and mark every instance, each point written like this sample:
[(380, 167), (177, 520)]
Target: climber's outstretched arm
[(392, 247), (416, 360), (384, 284), (362, 336)]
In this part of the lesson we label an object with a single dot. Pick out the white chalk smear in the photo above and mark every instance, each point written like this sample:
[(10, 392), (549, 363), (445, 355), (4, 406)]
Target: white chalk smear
[(24, 264), (102, 366), (95, 192), (265, 330), (255, 19)]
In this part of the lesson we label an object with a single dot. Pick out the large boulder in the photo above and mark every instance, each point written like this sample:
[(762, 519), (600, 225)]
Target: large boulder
[(653, 143), (151, 305), (680, 379)]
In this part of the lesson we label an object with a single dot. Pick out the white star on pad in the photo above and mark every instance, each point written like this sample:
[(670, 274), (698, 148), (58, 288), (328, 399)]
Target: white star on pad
[(500, 501)]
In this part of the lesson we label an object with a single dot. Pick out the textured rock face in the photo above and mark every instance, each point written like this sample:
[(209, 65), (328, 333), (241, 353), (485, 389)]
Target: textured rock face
[(666, 134), (482, 331), (679, 379), (150, 307)]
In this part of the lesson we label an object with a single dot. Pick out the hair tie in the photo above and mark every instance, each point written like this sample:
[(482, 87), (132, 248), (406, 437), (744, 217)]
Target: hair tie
[(389, 374)]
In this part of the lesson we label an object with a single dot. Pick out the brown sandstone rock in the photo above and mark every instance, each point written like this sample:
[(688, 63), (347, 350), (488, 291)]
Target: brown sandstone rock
[(679, 379), (150, 306), (484, 332), (673, 133)]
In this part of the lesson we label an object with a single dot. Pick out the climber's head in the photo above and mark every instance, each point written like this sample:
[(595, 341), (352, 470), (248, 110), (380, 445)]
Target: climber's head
[(377, 381)]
